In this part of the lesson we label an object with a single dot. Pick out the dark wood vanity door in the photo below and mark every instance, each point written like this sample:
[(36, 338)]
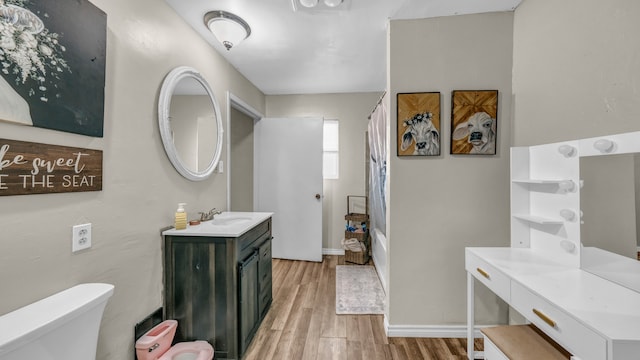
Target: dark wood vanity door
[(248, 300), (200, 292), (265, 278)]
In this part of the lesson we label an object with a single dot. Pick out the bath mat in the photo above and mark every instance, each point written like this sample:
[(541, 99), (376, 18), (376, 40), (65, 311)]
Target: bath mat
[(358, 290)]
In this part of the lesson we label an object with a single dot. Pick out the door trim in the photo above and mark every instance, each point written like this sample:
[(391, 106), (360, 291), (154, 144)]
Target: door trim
[(234, 102)]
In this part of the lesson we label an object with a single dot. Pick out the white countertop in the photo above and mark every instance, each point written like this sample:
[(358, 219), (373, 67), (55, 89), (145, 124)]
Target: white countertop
[(227, 224)]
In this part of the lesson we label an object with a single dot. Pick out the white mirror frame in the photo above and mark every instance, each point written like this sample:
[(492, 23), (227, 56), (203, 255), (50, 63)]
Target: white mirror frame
[(164, 103)]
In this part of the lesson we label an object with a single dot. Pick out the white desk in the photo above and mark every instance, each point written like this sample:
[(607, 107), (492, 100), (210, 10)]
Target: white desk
[(593, 318)]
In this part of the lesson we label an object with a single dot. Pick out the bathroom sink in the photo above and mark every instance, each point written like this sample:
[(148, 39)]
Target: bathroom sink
[(230, 220), (227, 224)]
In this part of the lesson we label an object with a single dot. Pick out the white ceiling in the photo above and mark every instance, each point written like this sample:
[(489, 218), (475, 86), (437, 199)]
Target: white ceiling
[(301, 52)]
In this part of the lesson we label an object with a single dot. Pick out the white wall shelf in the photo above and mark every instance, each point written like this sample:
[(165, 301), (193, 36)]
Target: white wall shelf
[(543, 183), (537, 182), (561, 186), (538, 219)]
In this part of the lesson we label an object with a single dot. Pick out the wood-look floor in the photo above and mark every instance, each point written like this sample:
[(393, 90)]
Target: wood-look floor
[(302, 323)]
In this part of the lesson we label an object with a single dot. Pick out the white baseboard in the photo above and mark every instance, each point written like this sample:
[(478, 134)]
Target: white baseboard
[(429, 331), (386, 324), (327, 251)]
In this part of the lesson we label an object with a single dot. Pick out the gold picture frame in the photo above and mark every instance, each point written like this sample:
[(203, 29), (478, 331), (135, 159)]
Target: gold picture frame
[(418, 123), (474, 122)]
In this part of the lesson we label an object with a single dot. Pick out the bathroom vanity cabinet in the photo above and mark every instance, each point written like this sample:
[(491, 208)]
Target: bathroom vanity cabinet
[(218, 283)]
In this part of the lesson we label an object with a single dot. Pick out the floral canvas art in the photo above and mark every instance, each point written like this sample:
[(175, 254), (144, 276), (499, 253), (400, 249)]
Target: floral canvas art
[(52, 59)]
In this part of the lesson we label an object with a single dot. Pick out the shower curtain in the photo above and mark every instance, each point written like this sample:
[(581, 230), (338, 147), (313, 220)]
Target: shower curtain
[(378, 167)]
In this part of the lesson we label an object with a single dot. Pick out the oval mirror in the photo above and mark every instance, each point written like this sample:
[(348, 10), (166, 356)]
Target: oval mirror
[(190, 123)]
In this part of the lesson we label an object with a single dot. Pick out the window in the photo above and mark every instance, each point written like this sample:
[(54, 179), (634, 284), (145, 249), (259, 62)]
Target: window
[(330, 146)]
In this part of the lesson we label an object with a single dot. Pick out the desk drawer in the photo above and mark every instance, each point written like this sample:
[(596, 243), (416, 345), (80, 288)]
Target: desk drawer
[(566, 330), (488, 275)]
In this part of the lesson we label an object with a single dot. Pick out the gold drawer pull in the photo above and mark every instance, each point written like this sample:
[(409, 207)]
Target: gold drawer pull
[(544, 318), (483, 273)]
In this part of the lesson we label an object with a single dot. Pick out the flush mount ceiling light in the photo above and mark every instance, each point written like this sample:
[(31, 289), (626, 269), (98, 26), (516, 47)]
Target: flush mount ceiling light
[(332, 3), (309, 3), (319, 5), (228, 28)]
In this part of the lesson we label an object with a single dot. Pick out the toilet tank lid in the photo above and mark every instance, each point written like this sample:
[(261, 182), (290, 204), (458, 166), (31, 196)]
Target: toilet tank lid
[(158, 334), (42, 316)]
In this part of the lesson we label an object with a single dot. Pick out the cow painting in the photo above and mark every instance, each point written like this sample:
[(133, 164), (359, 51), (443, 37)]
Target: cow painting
[(418, 124), (480, 132), (422, 134), (474, 122)]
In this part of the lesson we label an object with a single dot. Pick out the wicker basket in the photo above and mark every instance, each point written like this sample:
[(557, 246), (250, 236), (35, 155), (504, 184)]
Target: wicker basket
[(361, 236), (359, 257), (357, 217)]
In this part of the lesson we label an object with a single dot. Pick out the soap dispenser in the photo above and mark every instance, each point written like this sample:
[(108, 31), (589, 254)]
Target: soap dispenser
[(181, 217)]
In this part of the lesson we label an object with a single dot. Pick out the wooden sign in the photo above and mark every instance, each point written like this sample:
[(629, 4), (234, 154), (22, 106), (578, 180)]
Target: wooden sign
[(34, 168)]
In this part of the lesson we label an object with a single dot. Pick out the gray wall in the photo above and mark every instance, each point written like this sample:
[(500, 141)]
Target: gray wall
[(145, 40), (438, 206), (576, 69)]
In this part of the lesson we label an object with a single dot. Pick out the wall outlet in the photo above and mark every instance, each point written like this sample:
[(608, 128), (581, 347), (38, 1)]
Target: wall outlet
[(220, 167), (81, 237)]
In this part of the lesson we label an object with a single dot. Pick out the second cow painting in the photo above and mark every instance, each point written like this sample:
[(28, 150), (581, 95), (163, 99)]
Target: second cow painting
[(474, 123)]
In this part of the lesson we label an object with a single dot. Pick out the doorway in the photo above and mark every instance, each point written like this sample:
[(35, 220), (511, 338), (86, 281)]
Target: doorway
[(241, 118), (241, 161), (264, 174)]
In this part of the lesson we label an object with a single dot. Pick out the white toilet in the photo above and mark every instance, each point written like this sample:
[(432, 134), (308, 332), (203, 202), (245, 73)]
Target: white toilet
[(63, 326), (155, 344)]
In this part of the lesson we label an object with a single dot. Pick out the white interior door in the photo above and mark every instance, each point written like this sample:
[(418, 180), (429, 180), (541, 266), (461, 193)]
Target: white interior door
[(288, 182)]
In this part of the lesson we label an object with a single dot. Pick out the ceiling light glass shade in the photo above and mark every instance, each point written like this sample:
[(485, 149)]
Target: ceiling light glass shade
[(228, 28), (309, 3), (332, 3)]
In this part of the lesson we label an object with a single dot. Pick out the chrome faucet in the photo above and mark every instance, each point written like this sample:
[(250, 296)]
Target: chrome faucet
[(209, 215)]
